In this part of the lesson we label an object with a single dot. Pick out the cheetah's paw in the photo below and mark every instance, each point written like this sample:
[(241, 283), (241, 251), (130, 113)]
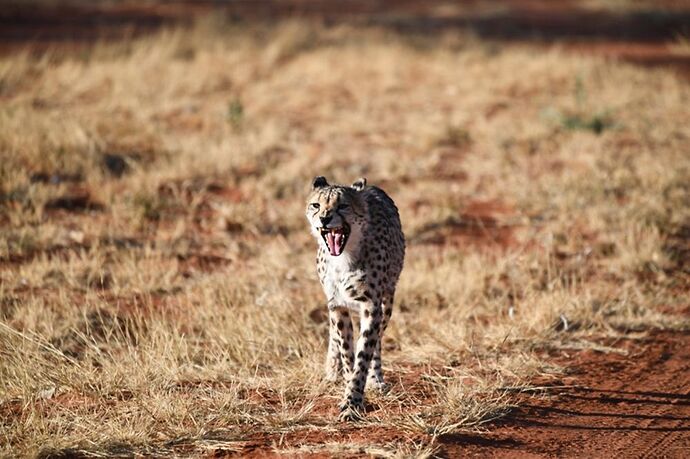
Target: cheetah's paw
[(350, 413)]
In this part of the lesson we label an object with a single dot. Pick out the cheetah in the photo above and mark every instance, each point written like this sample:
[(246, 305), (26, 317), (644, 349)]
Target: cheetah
[(359, 260)]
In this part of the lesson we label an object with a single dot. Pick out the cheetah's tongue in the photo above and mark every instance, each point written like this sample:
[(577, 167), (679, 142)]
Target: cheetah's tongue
[(335, 243)]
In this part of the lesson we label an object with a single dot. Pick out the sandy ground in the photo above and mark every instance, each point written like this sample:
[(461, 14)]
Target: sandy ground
[(635, 403), (632, 402)]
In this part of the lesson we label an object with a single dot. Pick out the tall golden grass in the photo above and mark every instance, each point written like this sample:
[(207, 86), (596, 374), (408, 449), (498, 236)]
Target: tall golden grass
[(175, 309)]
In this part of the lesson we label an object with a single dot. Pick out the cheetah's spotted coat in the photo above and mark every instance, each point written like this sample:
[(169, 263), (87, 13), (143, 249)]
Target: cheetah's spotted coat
[(360, 256)]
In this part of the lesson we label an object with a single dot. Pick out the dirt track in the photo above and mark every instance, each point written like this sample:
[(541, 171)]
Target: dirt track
[(610, 405), (632, 402)]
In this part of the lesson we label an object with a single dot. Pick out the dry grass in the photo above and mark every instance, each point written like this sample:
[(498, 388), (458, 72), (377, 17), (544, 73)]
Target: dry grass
[(157, 288)]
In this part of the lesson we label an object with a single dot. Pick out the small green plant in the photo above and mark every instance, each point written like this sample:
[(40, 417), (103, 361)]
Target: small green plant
[(579, 120), (235, 113), (596, 123)]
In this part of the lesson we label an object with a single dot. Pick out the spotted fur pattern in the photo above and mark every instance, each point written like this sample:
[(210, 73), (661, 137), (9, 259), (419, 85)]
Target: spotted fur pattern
[(360, 280)]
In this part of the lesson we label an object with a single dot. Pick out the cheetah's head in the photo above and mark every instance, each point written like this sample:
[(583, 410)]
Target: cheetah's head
[(336, 213)]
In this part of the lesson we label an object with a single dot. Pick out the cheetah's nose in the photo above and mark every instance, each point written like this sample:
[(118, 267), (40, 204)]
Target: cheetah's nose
[(326, 220)]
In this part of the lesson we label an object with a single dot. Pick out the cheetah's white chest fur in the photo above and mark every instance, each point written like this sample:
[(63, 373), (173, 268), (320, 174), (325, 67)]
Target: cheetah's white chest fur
[(338, 271)]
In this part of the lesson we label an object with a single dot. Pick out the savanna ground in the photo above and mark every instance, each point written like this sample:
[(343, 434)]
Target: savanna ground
[(158, 295)]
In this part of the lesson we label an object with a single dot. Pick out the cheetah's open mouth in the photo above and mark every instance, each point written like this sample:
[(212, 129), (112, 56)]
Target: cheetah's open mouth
[(335, 239)]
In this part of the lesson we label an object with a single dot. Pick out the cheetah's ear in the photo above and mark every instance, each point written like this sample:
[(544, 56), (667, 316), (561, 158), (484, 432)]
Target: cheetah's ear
[(359, 184), (319, 182)]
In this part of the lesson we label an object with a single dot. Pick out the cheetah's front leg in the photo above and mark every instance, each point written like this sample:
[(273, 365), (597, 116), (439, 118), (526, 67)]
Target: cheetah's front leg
[(334, 365), (340, 357), (370, 324)]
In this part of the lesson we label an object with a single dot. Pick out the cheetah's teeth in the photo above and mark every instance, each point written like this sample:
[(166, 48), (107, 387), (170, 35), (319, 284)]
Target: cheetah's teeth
[(335, 239)]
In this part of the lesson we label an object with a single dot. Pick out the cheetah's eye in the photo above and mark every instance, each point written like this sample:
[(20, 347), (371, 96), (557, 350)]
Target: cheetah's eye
[(314, 205)]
